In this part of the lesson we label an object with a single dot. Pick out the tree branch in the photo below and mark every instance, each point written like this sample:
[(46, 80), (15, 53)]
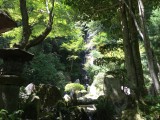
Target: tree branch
[(47, 8), (135, 21), (40, 38), (47, 30)]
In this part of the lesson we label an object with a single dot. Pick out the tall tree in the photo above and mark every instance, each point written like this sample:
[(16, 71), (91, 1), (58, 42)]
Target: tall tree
[(131, 50), (149, 52), (143, 32), (134, 41)]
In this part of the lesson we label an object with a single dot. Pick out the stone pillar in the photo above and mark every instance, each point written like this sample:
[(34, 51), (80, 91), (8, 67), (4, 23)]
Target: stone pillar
[(9, 92)]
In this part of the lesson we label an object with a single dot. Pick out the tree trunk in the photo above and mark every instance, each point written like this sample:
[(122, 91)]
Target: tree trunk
[(136, 54), (151, 58), (25, 24), (129, 61), (132, 53)]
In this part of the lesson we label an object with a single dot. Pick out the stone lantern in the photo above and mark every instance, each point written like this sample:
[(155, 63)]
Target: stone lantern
[(11, 69), (10, 78)]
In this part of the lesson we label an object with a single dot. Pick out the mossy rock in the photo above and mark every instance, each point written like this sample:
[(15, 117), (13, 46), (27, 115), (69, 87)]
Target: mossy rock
[(49, 95), (131, 115)]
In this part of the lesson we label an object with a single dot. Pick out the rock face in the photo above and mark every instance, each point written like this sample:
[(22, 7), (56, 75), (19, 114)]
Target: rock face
[(106, 85), (97, 88), (38, 98), (110, 87), (49, 95), (113, 88)]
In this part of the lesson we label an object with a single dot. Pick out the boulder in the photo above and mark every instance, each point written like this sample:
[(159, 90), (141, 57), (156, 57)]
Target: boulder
[(113, 89), (97, 87), (38, 98), (49, 95)]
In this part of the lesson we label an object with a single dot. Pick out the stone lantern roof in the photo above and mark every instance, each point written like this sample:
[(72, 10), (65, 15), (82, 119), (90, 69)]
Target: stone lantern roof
[(15, 54), (6, 22)]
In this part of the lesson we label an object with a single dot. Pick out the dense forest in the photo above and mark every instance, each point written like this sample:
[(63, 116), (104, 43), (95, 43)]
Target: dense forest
[(93, 59)]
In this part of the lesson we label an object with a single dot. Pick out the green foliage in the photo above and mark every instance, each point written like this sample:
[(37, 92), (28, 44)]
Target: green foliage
[(152, 109), (91, 8), (104, 11), (4, 115), (108, 56), (70, 51), (74, 45), (96, 54), (45, 68), (12, 37), (74, 86), (63, 25), (154, 30), (101, 38)]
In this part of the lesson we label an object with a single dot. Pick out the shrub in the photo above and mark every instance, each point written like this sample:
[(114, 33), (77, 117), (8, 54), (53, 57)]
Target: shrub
[(74, 86), (5, 115), (46, 69)]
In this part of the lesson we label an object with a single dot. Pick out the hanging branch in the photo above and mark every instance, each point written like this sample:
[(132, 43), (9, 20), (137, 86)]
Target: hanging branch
[(47, 30), (135, 21)]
